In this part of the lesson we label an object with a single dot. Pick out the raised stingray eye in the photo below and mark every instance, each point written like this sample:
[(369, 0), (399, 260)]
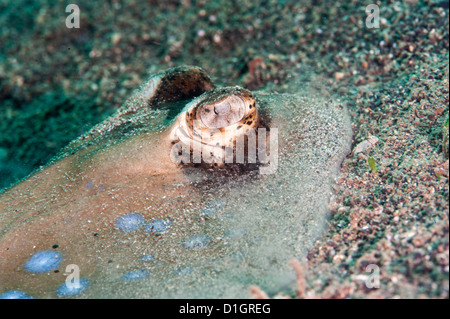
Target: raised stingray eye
[(215, 121), (223, 113)]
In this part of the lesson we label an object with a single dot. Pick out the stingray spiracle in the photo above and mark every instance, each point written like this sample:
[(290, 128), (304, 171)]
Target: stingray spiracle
[(219, 127)]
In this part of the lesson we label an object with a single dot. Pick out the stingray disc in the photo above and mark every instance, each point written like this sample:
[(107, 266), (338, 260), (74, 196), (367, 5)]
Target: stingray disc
[(149, 203)]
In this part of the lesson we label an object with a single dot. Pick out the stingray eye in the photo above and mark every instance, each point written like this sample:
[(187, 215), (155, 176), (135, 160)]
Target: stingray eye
[(223, 113), (224, 108), (216, 120), (228, 110)]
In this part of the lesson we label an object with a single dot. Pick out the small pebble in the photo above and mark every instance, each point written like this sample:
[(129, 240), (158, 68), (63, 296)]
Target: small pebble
[(366, 145), (201, 33)]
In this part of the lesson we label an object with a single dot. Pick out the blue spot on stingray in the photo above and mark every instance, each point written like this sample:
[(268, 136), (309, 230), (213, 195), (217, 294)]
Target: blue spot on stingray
[(158, 226), (43, 261), (130, 222), (72, 289), (147, 258), (89, 185), (197, 242), (183, 271), (15, 294), (136, 275), (213, 207)]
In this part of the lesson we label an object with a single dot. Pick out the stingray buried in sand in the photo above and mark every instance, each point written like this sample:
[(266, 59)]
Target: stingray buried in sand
[(147, 204)]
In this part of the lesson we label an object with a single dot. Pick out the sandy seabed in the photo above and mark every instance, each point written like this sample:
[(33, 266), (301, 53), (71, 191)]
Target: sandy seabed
[(390, 201)]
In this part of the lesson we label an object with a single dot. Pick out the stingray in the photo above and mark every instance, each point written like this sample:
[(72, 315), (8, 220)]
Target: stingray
[(188, 191)]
